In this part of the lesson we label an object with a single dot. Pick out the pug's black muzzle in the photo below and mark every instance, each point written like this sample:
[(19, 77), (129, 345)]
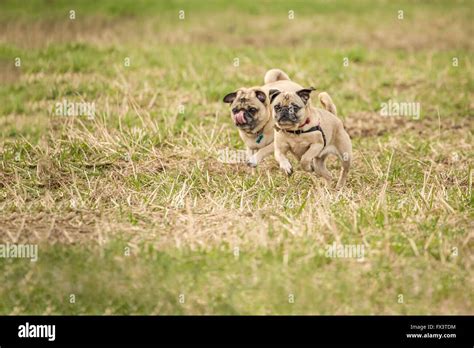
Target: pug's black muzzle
[(287, 116)]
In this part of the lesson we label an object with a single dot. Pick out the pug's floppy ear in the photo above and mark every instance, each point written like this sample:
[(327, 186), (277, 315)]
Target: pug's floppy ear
[(273, 94), (261, 96), (305, 93), (229, 98)]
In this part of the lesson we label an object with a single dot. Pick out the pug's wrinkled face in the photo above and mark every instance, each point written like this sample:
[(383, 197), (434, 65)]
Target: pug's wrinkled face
[(248, 107), (289, 108)]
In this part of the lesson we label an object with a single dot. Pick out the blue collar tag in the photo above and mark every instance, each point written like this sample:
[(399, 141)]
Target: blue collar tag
[(259, 138)]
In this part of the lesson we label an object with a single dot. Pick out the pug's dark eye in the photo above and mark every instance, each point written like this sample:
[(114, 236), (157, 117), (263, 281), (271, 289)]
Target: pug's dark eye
[(253, 110), (235, 110), (277, 107)]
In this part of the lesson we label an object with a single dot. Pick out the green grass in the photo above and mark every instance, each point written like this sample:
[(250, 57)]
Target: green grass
[(132, 210)]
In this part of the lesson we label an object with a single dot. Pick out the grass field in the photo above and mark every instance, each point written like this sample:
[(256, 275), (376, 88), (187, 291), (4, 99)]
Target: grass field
[(133, 213)]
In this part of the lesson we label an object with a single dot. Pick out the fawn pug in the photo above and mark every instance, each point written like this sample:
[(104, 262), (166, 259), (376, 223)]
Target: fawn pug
[(250, 111), (309, 133)]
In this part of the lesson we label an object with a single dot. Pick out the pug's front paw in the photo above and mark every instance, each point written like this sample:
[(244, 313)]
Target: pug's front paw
[(252, 161), (286, 167)]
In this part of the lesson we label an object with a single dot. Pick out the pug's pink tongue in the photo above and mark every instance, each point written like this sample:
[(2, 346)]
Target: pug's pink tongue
[(239, 118)]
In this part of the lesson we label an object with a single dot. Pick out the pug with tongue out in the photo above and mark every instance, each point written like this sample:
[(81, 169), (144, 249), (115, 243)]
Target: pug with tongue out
[(250, 113)]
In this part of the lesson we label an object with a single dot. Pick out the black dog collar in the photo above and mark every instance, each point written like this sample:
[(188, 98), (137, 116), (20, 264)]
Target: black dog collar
[(300, 131)]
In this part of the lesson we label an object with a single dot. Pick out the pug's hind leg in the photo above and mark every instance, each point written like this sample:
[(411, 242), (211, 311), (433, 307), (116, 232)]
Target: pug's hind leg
[(319, 165), (345, 155), (307, 159)]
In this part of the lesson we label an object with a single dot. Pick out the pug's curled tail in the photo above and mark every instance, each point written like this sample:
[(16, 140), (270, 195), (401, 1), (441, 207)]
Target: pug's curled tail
[(274, 75), (327, 102)]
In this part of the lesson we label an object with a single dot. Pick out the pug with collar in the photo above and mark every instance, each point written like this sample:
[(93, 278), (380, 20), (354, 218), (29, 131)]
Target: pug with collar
[(310, 134), (251, 113)]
